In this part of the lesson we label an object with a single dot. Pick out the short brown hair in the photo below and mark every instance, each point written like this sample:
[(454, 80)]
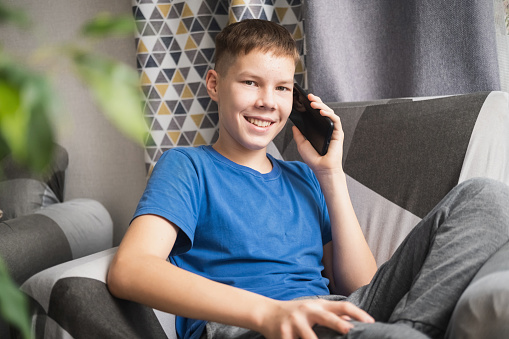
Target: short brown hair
[(253, 34)]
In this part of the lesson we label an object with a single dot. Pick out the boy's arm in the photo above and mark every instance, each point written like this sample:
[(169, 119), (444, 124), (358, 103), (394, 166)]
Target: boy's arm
[(347, 259), (140, 272)]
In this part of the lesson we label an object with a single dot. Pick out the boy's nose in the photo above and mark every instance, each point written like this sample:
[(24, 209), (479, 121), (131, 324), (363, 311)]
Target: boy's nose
[(266, 99)]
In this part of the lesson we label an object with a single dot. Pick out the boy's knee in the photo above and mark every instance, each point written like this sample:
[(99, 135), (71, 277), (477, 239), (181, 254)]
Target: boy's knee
[(488, 192), (482, 310), (485, 186), (481, 204)]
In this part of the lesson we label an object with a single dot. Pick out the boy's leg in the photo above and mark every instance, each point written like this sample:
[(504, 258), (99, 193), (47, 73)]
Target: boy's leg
[(420, 285), (215, 330)]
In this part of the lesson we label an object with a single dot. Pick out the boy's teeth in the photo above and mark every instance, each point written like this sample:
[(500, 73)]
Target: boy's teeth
[(259, 123)]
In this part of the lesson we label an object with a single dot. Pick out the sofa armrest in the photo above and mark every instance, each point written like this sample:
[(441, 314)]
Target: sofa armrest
[(481, 311), (72, 300), (53, 235), (86, 224)]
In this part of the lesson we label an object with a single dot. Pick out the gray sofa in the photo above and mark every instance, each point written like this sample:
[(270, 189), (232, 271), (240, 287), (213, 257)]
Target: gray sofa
[(401, 157), (38, 229)]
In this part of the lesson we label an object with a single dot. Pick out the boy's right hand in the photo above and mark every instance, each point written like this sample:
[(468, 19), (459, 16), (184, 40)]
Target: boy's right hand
[(295, 318)]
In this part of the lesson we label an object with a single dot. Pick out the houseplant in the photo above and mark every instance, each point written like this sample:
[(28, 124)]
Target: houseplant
[(30, 109)]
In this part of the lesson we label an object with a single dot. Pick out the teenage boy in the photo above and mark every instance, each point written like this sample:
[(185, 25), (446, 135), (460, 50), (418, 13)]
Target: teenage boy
[(251, 240)]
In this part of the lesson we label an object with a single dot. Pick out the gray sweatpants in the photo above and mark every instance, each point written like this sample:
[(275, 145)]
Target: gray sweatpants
[(414, 294)]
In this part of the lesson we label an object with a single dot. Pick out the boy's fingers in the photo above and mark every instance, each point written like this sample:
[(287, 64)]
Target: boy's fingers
[(298, 136), (321, 106), (305, 331), (302, 143), (340, 314), (344, 308), (335, 322), (313, 97)]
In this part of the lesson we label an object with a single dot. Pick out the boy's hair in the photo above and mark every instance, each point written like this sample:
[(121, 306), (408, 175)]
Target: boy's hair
[(242, 37)]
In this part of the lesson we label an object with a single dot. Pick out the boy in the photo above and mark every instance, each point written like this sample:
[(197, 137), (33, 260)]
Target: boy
[(252, 239)]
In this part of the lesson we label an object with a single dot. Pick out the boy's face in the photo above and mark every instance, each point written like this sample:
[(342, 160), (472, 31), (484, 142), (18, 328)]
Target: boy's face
[(254, 98)]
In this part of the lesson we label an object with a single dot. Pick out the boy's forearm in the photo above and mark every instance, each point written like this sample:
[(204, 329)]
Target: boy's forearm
[(173, 290), (180, 292), (353, 263)]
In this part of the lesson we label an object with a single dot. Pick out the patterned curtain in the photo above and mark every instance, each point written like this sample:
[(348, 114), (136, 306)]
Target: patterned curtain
[(175, 48)]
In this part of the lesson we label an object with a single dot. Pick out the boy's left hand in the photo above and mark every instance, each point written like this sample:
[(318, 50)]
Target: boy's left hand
[(332, 161)]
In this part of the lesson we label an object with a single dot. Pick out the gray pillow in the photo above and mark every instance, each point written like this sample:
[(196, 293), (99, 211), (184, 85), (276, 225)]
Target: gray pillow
[(54, 177), (20, 197), (23, 192)]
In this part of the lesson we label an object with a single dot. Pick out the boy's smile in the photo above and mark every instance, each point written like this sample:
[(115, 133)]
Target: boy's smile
[(254, 97)]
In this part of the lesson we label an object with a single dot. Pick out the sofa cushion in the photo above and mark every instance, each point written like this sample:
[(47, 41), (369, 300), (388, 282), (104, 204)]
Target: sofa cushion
[(31, 243), (55, 234), (86, 223), (481, 311), (23, 192), (23, 196), (52, 235)]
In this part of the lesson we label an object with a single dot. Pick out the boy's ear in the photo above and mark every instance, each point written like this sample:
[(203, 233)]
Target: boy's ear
[(211, 82)]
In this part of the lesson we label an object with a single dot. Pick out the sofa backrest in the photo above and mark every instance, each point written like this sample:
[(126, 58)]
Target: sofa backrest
[(402, 157)]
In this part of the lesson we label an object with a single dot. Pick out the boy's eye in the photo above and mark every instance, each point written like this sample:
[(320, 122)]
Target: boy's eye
[(282, 88), (250, 82)]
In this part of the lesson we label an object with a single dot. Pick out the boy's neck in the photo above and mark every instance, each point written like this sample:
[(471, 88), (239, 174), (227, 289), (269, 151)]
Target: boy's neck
[(254, 159)]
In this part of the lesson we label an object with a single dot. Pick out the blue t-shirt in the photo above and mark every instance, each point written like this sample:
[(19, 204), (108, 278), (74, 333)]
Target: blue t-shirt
[(259, 232)]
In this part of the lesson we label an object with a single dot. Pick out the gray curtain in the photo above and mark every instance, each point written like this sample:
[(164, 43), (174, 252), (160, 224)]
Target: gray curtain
[(374, 49)]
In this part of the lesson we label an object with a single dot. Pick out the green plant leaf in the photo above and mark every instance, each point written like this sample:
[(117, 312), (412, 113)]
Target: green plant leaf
[(13, 303), (40, 137), (115, 87), (105, 24), (14, 16), (13, 118), (27, 102)]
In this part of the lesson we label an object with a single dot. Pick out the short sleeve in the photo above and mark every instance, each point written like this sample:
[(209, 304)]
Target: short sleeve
[(173, 192)]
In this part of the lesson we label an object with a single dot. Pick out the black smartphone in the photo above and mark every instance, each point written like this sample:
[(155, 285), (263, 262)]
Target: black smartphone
[(314, 126)]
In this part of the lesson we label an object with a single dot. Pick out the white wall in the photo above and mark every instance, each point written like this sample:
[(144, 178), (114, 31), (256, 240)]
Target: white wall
[(103, 164)]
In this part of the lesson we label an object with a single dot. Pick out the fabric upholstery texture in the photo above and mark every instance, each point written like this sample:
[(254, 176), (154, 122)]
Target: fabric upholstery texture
[(484, 301), (463, 128), (94, 312), (23, 192), (45, 240), (23, 196), (402, 157), (86, 224), (56, 234), (54, 177)]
